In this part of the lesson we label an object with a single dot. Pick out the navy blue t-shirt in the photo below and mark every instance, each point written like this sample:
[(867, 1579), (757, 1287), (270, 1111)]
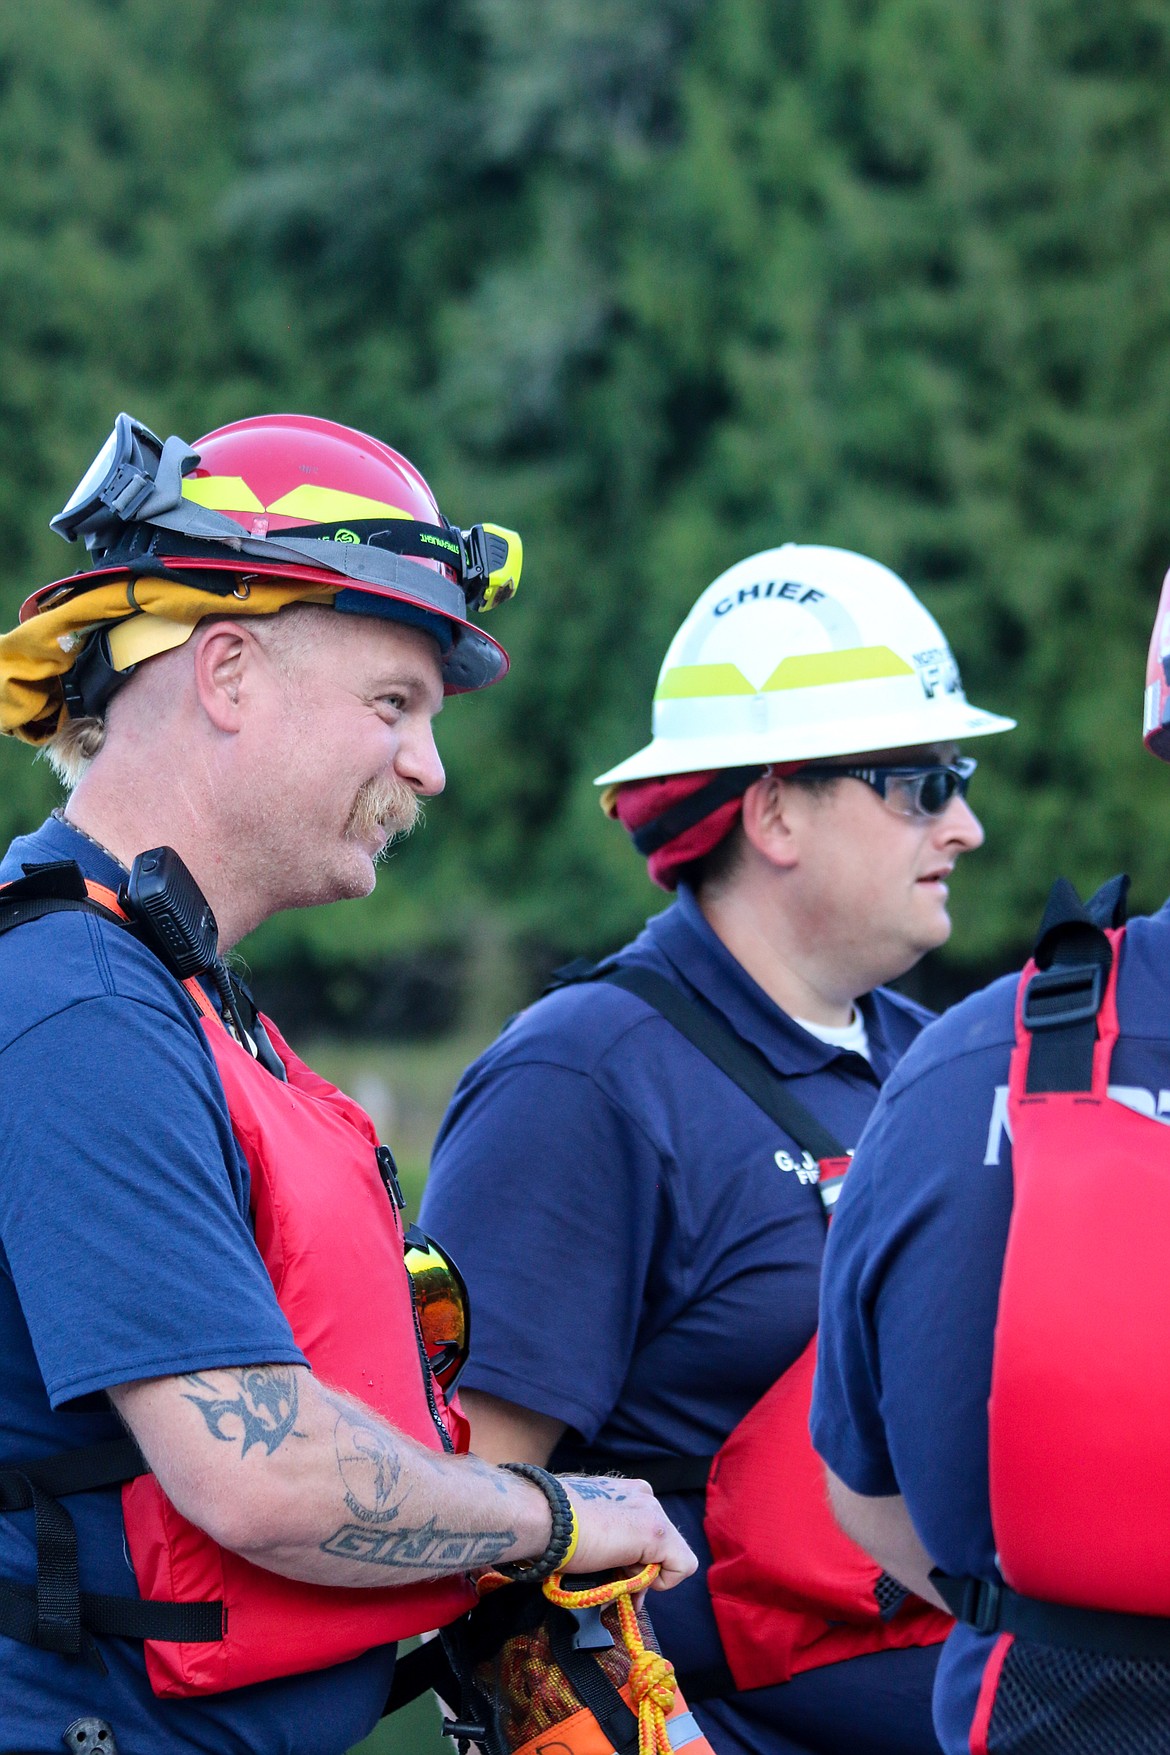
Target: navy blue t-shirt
[(125, 1253), (911, 1278), (642, 1258)]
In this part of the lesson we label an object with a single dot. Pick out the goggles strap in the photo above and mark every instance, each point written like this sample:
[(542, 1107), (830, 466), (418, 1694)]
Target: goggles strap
[(365, 564)]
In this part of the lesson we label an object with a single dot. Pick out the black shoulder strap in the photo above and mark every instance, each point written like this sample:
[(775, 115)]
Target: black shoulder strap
[(55, 888), (742, 1063), (1060, 1005), (59, 1616)]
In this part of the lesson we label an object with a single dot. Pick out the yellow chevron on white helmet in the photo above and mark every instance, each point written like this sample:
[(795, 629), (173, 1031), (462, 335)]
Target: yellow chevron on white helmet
[(803, 653)]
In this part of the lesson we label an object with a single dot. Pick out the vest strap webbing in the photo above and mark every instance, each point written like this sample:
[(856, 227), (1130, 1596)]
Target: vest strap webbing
[(106, 1616), (742, 1063), (446, 1663), (1061, 1002), (60, 1616), (592, 1686), (992, 1607), (71, 1471)]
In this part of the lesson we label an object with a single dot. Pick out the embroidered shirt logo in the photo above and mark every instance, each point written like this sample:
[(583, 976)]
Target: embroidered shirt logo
[(806, 1167)]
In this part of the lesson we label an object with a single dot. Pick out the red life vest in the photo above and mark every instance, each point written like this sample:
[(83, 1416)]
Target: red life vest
[(789, 1590), (331, 1239), (1079, 1432), (1079, 1421)]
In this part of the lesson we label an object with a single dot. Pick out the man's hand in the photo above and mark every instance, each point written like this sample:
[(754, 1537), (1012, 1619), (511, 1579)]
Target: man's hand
[(622, 1525)]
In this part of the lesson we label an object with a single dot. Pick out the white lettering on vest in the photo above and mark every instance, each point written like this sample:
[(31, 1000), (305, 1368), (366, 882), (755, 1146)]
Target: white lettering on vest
[(1135, 1097)]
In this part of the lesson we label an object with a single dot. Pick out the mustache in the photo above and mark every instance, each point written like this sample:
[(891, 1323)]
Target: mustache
[(386, 804)]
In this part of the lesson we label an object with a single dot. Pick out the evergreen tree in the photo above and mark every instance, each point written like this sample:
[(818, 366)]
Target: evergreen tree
[(885, 275), (117, 289)]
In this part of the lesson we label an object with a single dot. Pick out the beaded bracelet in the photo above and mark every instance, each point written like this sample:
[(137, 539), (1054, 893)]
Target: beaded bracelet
[(562, 1541)]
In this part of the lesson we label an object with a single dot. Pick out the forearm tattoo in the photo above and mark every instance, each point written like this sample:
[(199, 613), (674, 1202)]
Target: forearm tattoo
[(429, 1548), (370, 1468), (261, 1407), (258, 1404)]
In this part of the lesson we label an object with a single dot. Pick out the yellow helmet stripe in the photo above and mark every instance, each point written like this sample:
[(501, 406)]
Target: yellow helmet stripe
[(810, 670), (324, 505), (688, 681), (804, 670), (221, 493)]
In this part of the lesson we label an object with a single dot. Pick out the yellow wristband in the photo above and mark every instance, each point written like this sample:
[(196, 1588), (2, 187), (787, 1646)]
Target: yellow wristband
[(574, 1538)]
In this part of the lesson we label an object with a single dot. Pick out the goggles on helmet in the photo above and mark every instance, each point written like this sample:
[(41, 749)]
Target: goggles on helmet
[(441, 1305), (137, 479), (915, 789)]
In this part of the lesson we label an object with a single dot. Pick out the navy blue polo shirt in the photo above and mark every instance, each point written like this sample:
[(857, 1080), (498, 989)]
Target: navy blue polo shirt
[(642, 1258), (125, 1253), (911, 1284)]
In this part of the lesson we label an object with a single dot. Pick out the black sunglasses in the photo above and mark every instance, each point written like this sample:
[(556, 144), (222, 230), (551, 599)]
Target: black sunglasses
[(913, 789)]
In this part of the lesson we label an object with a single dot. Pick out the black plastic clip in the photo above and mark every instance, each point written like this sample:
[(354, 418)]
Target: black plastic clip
[(1067, 993), (388, 1171), (976, 1601), (592, 1634), (464, 1731), (987, 1606)]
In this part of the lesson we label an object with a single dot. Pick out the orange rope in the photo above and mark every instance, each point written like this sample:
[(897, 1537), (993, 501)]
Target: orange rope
[(652, 1685)]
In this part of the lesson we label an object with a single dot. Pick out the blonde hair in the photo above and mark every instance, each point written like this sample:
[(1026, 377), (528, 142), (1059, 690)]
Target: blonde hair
[(72, 748)]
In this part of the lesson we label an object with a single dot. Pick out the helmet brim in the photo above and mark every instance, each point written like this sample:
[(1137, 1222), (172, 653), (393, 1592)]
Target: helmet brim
[(475, 660), (952, 723)]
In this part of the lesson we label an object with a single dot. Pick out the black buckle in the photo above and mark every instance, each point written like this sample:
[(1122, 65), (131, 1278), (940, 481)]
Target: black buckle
[(88, 685), (1068, 993), (388, 1171), (986, 1606), (976, 1602)]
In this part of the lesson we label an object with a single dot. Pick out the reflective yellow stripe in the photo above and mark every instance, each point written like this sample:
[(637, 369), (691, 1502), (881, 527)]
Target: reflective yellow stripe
[(221, 493), (810, 670), (322, 505), (687, 681)]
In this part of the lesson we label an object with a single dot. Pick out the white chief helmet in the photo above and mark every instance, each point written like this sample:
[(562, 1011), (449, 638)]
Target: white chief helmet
[(799, 654)]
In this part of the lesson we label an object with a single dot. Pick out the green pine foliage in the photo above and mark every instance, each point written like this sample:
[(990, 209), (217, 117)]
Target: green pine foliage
[(658, 282)]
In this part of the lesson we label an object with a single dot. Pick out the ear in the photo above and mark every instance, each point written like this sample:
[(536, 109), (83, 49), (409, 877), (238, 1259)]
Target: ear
[(224, 656), (773, 819)]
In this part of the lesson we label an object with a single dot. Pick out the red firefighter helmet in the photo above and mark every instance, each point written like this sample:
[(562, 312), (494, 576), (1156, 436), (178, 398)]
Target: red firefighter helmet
[(296, 498)]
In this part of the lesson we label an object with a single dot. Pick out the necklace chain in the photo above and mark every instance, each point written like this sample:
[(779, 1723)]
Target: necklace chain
[(69, 823)]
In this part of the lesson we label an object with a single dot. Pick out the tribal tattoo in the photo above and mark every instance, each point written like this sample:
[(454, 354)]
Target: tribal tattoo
[(429, 1549), (263, 1409)]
